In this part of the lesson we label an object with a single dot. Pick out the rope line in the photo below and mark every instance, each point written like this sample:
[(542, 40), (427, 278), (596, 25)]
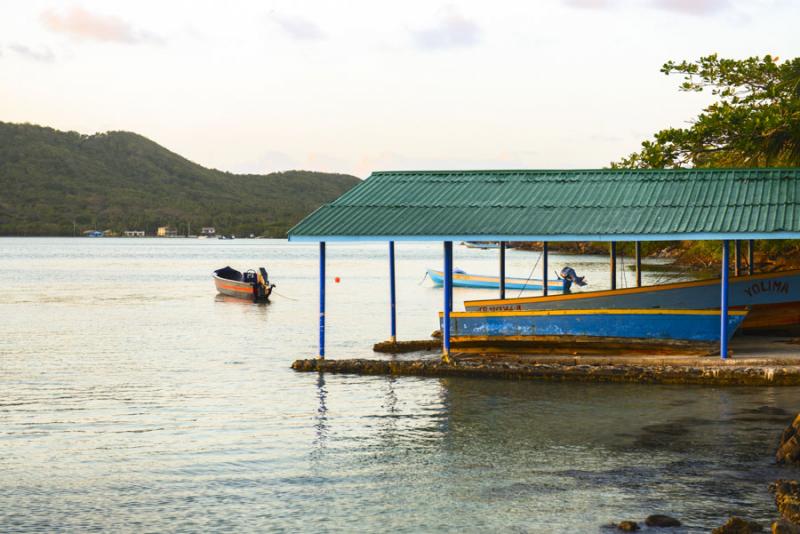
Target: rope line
[(530, 275)]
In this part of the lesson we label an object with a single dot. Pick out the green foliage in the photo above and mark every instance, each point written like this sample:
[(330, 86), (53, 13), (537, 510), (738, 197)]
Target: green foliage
[(754, 122), (53, 182)]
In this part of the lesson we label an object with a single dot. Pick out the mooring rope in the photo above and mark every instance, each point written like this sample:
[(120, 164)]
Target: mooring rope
[(530, 275), (284, 296)]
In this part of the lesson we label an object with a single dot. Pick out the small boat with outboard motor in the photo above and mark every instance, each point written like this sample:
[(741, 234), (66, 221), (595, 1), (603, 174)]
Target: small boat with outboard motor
[(562, 282), (251, 285)]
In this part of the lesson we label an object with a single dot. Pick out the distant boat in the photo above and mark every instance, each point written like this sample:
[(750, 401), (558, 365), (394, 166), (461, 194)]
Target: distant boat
[(250, 285), (462, 279), (481, 244), (601, 330), (773, 300)]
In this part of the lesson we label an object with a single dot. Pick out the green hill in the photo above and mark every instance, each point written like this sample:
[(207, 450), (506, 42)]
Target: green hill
[(55, 183)]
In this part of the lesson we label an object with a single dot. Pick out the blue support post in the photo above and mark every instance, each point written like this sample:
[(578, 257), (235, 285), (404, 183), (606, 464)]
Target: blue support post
[(750, 256), (544, 268), (723, 311), (638, 253), (322, 300), (737, 257), (448, 299), (613, 246), (392, 292), (502, 269)]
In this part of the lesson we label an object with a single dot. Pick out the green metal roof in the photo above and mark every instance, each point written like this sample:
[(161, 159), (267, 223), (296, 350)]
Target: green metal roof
[(562, 205)]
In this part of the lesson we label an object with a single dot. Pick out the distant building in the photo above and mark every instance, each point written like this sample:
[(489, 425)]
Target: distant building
[(208, 231), (93, 233), (134, 233), (167, 231)]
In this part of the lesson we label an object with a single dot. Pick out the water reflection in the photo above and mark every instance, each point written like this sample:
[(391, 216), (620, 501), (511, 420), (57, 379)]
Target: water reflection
[(321, 419)]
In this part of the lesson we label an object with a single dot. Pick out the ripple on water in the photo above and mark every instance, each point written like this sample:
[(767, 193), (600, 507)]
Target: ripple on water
[(155, 407)]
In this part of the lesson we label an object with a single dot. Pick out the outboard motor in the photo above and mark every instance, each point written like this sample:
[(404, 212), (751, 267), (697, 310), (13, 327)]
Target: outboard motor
[(570, 277), (262, 285)]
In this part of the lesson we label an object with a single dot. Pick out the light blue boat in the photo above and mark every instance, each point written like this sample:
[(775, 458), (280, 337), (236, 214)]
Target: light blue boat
[(462, 279), (599, 327)]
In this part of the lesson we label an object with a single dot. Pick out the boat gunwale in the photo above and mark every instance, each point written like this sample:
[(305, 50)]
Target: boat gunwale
[(598, 311), (557, 283)]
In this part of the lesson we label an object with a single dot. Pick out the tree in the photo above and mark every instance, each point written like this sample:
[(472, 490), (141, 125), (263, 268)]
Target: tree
[(755, 121)]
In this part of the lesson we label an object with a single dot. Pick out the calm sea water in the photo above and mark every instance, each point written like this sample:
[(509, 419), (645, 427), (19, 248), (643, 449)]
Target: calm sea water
[(134, 399)]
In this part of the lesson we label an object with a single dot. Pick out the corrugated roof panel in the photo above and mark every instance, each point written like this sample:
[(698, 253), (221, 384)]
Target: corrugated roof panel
[(578, 203)]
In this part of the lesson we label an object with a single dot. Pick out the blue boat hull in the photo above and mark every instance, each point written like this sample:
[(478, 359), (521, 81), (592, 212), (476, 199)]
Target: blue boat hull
[(493, 282), (622, 330)]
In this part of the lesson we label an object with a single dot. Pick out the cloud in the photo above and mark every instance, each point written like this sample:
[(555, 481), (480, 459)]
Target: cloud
[(298, 27), (452, 30), (43, 55), (693, 7), (83, 25), (589, 4)]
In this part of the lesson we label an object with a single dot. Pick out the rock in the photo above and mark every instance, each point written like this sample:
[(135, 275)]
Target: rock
[(787, 499), (627, 526), (783, 526), (658, 520), (737, 525), (789, 449)]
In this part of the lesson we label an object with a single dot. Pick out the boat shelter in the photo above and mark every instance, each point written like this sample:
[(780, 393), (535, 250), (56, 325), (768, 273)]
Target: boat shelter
[(609, 205)]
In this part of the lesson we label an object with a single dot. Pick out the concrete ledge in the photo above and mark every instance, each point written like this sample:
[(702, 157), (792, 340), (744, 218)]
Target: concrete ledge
[(688, 371), (399, 347)]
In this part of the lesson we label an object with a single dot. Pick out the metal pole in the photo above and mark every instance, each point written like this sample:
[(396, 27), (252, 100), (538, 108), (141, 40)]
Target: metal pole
[(723, 312), (638, 248), (613, 265), (502, 269), (544, 268), (750, 256), (322, 300), (448, 299), (737, 257), (392, 292)]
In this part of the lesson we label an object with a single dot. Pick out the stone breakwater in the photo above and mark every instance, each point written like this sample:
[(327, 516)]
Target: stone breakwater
[(692, 371)]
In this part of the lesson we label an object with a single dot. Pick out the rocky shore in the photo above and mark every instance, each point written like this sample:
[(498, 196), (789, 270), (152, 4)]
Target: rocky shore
[(786, 493)]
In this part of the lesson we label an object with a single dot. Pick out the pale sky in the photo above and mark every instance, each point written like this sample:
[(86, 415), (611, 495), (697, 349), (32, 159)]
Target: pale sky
[(357, 86)]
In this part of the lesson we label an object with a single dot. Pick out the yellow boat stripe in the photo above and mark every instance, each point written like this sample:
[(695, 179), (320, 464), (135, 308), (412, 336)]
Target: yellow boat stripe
[(632, 311), (626, 291)]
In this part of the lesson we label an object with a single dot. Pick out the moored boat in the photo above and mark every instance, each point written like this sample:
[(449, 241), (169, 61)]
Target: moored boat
[(772, 298), (596, 330), (251, 285), (481, 244), (462, 279)]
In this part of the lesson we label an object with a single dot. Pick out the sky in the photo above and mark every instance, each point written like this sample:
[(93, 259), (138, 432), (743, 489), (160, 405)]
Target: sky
[(361, 86)]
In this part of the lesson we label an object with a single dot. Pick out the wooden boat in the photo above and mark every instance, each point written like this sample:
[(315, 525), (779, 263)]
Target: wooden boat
[(462, 279), (772, 298), (594, 330), (250, 285)]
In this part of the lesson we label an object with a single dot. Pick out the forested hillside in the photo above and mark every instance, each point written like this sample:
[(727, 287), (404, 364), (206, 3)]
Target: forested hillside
[(58, 183)]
